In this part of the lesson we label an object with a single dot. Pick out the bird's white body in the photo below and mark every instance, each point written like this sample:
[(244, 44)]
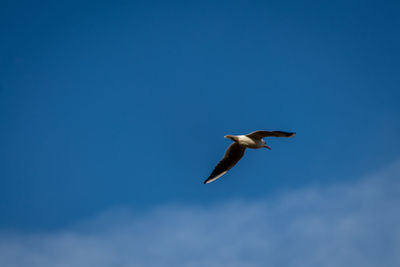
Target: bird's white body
[(236, 150), (250, 142)]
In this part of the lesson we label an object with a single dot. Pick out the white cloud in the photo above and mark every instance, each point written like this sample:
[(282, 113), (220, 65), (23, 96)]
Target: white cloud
[(355, 224)]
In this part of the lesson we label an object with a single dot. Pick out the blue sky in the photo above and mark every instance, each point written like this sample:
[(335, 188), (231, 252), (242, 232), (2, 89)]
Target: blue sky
[(124, 104), (347, 224)]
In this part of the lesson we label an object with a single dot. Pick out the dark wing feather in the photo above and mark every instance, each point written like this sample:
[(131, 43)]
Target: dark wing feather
[(232, 155), (262, 134)]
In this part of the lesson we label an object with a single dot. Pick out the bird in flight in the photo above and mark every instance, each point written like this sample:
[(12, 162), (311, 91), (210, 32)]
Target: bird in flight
[(236, 150)]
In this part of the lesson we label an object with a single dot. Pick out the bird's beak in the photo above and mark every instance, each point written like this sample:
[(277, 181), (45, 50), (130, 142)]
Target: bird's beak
[(267, 147)]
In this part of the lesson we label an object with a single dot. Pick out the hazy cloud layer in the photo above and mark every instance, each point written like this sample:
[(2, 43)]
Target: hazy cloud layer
[(355, 224)]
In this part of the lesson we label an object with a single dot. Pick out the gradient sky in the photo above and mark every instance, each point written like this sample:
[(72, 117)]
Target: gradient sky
[(108, 104)]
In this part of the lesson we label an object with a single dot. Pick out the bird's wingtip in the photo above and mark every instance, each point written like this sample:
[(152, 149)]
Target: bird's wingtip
[(213, 178), (208, 181)]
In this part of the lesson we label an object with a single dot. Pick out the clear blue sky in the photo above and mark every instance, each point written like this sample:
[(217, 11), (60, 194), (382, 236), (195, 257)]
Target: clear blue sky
[(109, 104)]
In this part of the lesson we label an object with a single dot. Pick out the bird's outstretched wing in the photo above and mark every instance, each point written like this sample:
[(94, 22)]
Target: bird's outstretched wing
[(232, 155), (262, 134)]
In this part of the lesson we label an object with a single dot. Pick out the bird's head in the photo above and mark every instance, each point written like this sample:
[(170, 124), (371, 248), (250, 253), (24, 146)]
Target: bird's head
[(233, 138)]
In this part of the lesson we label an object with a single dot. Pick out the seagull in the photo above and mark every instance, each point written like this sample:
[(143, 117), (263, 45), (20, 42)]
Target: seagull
[(236, 150)]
